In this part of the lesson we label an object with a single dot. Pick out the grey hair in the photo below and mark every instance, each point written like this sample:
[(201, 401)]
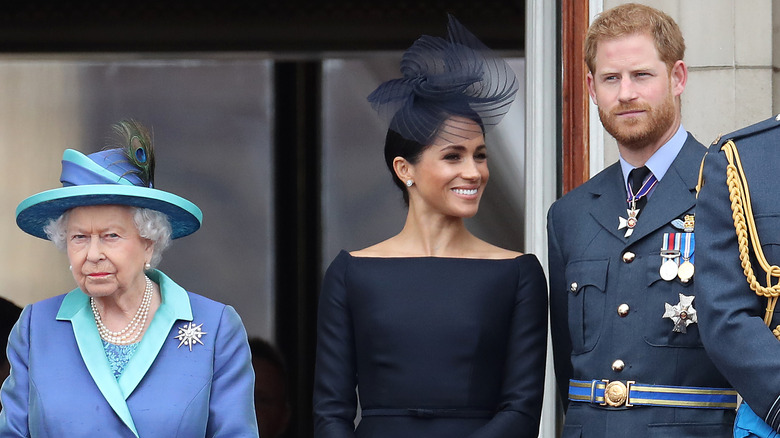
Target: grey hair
[(55, 230), (151, 224)]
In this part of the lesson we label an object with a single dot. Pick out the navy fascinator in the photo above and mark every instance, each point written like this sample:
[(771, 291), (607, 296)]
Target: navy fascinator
[(457, 76)]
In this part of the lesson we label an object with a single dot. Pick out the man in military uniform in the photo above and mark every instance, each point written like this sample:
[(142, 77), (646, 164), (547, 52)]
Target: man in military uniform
[(628, 357), (739, 243)]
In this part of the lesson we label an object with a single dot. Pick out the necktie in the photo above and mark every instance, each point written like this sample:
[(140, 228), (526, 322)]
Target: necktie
[(637, 178)]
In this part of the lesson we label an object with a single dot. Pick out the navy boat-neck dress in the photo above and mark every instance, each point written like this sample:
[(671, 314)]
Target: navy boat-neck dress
[(436, 347)]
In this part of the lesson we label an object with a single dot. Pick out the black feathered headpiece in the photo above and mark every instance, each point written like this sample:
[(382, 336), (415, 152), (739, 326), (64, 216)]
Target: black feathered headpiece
[(457, 76)]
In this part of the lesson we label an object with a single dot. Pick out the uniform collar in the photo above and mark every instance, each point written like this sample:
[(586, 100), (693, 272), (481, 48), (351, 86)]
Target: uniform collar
[(662, 159)]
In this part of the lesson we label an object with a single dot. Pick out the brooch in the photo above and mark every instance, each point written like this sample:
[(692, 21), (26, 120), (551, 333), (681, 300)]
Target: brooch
[(190, 334)]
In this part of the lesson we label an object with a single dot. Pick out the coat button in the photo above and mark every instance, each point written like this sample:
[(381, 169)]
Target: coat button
[(628, 257), (623, 309), (573, 287), (618, 365)]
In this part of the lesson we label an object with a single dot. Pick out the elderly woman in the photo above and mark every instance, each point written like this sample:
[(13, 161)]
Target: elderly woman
[(443, 334), (128, 353)]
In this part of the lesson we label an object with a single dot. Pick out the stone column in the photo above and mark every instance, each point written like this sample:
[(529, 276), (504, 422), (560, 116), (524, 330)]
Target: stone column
[(38, 103)]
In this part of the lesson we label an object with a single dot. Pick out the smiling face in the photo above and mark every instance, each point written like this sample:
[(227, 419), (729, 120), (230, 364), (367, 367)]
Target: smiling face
[(106, 253), (452, 172), (636, 94)]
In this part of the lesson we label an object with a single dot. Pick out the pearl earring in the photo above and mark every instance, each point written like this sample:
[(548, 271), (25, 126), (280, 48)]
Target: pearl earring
[(70, 267), (147, 266), (409, 183)]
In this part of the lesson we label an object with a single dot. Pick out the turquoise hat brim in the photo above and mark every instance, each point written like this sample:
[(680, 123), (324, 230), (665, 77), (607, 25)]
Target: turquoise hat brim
[(35, 212)]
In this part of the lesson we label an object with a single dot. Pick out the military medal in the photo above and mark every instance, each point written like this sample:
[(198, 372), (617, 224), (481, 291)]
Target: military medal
[(668, 270), (670, 254), (685, 271), (630, 222), (682, 314)]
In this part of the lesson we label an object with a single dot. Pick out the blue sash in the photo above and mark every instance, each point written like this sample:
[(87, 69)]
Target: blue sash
[(750, 425)]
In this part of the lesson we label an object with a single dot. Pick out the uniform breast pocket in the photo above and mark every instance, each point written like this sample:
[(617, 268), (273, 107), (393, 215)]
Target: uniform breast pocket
[(587, 282), (769, 234), (664, 308)]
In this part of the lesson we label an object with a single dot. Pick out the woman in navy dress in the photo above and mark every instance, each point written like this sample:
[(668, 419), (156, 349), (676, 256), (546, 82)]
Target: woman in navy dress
[(436, 332)]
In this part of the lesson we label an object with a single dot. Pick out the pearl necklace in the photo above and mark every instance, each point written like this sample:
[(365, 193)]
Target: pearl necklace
[(134, 328)]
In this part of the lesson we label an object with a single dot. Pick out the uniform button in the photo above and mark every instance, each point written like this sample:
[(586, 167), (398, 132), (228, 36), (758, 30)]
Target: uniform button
[(618, 365), (628, 257), (623, 309), (573, 287)]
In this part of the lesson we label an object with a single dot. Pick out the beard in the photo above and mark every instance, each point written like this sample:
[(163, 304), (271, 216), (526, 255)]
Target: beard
[(636, 133)]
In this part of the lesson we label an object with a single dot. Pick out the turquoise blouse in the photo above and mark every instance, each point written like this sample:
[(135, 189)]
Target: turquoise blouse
[(118, 356)]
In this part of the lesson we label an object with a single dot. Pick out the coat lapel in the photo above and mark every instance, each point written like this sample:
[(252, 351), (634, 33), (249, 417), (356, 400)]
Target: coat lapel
[(610, 202), (675, 193), (175, 306), (75, 308)]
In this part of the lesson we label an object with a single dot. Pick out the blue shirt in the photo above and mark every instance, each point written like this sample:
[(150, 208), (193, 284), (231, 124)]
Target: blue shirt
[(662, 159)]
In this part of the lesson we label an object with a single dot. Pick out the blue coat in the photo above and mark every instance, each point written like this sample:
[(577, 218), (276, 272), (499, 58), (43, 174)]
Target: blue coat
[(594, 269), (732, 314), (61, 384)]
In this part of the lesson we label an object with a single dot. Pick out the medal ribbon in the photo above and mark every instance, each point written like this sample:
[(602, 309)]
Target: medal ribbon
[(647, 186), (667, 241), (688, 248), (677, 243), (672, 242)]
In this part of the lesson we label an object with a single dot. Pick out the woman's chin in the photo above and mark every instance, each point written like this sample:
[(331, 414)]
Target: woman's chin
[(99, 291), (466, 213)]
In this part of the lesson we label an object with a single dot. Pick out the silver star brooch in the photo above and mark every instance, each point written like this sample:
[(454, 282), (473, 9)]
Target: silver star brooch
[(682, 314), (190, 334)]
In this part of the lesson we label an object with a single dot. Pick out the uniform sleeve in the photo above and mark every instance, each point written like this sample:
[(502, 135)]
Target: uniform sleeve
[(16, 390), (231, 405), (519, 412), (730, 314), (559, 310), (335, 374)]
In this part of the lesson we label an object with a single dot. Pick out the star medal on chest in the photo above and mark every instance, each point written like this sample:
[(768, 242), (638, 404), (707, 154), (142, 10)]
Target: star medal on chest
[(630, 222), (190, 334), (682, 314)]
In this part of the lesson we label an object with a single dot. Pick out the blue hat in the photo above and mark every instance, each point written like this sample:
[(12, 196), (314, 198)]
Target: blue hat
[(110, 177)]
